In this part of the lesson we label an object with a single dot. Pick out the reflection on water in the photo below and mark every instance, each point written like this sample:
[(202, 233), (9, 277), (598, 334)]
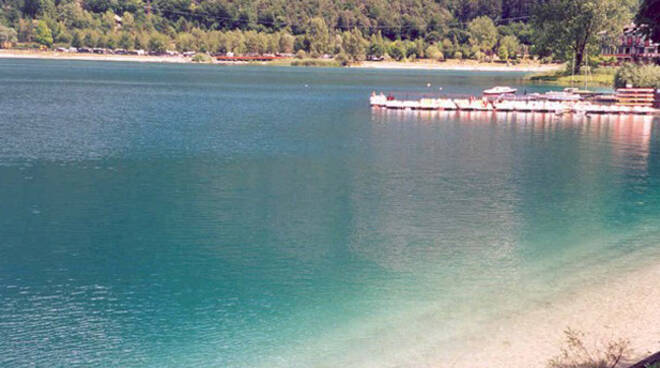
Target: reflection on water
[(232, 216)]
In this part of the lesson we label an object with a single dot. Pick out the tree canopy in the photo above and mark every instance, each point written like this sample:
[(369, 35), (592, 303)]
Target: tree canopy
[(357, 29), (649, 15), (569, 27)]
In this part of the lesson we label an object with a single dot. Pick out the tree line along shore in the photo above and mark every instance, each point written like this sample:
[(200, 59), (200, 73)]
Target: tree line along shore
[(347, 30)]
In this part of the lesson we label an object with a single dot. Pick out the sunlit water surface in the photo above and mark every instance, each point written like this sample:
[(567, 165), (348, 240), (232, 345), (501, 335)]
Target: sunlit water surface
[(205, 216)]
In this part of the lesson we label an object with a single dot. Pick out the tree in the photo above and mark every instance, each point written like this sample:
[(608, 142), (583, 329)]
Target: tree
[(25, 30), (108, 21), (649, 15), (43, 34), (285, 43), (503, 53), (64, 37), (509, 46), (7, 34), (127, 21), (139, 42), (396, 51), (448, 48), (76, 40), (185, 42), (483, 33), (158, 43), (432, 52), (354, 44), (125, 41), (376, 46), (90, 39), (318, 36), (567, 28)]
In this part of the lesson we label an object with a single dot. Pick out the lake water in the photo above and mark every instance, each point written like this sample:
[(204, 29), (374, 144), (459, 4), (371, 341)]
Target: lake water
[(206, 216)]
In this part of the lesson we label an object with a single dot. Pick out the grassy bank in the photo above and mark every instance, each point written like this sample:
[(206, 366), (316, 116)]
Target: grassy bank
[(601, 76)]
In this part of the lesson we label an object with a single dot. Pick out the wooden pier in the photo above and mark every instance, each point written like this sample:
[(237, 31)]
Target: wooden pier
[(536, 104)]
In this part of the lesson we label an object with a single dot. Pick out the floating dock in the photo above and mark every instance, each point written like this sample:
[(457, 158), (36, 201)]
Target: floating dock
[(551, 102)]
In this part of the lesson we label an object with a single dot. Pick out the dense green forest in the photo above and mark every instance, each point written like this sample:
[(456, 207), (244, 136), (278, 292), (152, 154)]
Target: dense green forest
[(351, 29)]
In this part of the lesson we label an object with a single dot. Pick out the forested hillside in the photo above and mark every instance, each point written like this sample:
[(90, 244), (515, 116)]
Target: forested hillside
[(354, 29)]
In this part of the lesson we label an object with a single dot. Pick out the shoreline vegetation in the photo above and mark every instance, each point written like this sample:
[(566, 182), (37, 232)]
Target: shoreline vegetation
[(348, 32), (421, 64), (644, 76), (598, 76)]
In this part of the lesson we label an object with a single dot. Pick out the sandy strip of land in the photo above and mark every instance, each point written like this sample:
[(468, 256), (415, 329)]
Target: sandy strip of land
[(626, 307), (469, 65), (19, 54), (458, 65)]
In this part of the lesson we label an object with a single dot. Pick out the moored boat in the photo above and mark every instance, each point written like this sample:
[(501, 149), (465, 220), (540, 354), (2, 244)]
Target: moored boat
[(499, 91), (377, 99)]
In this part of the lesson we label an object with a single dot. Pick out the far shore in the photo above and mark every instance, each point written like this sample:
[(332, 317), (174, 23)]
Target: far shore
[(54, 55), (453, 64), (468, 65)]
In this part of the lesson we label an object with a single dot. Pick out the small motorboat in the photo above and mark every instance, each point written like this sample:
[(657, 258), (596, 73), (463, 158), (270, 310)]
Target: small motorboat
[(499, 90)]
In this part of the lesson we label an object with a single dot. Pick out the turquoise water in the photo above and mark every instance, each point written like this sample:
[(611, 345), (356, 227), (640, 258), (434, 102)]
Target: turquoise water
[(205, 216)]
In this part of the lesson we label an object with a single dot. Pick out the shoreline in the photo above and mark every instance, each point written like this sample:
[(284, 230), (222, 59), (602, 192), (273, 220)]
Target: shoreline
[(54, 55), (466, 65), (603, 303), (624, 306)]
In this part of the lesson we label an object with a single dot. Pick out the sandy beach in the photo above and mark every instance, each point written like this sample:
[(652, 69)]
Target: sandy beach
[(625, 307), (618, 307), (469, 65), (20, 54)]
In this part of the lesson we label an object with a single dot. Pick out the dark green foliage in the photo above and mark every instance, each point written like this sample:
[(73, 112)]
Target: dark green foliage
[(649, 15), (357, 29), (396, 51), (569, 28), (637, 76), (428, 19), (43, 34)]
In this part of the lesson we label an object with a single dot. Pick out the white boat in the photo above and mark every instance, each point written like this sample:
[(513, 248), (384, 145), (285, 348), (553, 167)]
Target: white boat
[(377, 100), (499, 90)]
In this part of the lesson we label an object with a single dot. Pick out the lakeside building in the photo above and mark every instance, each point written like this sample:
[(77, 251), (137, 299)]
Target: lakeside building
[(632, 46)]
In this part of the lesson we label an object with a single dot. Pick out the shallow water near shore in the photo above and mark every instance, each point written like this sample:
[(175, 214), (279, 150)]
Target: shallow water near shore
[(195, 215)]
